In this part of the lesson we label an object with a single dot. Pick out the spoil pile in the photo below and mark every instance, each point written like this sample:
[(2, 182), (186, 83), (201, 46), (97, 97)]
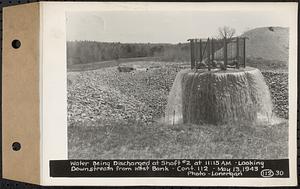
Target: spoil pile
[(270, 43)]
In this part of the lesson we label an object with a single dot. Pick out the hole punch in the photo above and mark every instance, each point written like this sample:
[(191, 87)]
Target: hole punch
[(16, 146), (16, 44)]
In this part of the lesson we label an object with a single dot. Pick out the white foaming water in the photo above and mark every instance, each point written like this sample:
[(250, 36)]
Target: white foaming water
[(219, 97)]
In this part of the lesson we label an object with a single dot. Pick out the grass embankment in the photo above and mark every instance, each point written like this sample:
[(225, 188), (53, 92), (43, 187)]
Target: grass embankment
[(137, 140)]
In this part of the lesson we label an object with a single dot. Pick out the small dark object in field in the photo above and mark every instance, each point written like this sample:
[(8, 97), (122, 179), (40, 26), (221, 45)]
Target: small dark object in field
[(236, 64), (69, 82), (214, 64), (221, 65), (271, 29), (119, 106), (201, 65), (125, 69)]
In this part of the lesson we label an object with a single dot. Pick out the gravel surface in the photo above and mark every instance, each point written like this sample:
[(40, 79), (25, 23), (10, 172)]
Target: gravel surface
[(102, 97), (92, 102), (278, 85)]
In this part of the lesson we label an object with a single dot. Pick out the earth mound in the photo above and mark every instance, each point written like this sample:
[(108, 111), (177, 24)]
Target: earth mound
[(269, 43)]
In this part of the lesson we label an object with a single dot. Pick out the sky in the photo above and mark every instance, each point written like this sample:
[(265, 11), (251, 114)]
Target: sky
[(163, 27)]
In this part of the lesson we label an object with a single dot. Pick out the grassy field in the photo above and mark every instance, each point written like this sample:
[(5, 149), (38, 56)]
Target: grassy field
[(104, 64), (136, 140), (116, 115)]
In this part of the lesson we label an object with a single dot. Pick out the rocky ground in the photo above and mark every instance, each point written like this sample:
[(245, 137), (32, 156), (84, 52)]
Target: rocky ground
[(278, 85), (110, 95), (100, 96)]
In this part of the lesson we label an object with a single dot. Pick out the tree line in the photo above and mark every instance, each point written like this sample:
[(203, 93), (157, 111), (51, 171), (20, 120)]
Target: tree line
[(82, 52)]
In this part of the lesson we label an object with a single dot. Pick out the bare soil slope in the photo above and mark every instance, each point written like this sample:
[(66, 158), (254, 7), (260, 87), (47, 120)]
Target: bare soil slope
[(269, 43)]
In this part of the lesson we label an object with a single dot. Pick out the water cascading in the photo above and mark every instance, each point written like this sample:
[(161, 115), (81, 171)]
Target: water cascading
[(219, 97)]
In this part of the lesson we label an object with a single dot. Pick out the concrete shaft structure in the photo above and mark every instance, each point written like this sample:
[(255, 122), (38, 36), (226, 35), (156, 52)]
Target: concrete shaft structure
[(218, 97)]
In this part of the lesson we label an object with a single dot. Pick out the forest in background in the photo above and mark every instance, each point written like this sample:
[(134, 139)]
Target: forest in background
[(83, 52)]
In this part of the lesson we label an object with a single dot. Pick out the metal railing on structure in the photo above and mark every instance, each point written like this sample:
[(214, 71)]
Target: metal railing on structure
[(213, 53)]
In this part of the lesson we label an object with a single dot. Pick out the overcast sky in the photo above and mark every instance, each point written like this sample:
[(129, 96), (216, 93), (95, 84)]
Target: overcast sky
[(163, 27)]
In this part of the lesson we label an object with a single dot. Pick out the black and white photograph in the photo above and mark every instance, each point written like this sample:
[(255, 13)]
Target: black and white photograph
[(177, 84), (180, 94)]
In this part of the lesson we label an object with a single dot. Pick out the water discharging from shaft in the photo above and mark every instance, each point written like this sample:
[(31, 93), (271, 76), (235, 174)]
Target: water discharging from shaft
[(219, 97)]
